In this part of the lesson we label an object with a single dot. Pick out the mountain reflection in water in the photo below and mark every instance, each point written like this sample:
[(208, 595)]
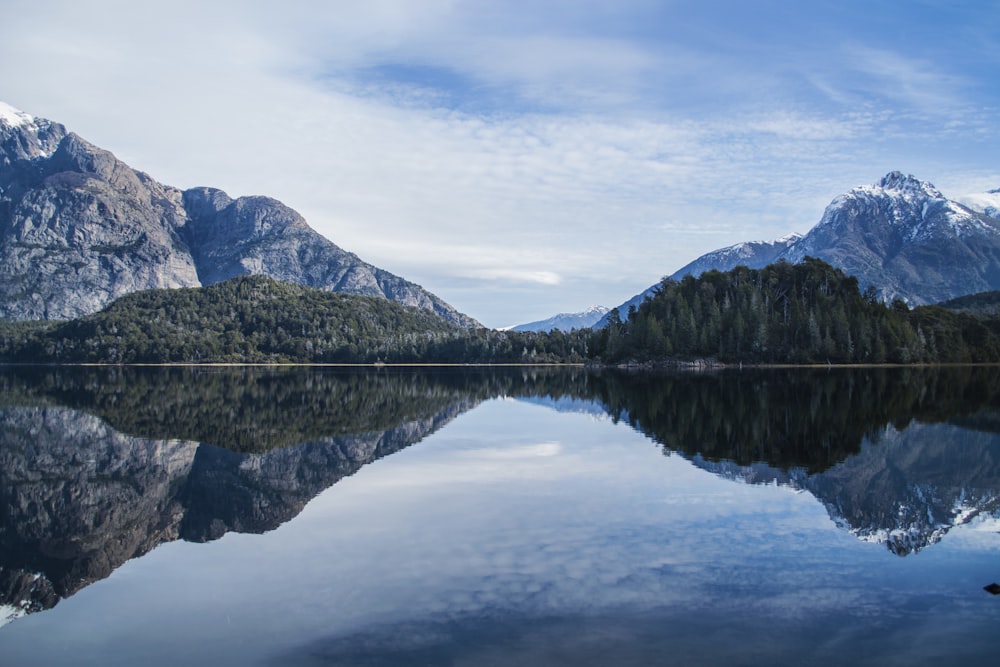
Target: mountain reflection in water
[(98, 466)]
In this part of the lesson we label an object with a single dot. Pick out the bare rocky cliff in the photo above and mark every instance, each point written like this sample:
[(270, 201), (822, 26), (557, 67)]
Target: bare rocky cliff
[(79, 228)]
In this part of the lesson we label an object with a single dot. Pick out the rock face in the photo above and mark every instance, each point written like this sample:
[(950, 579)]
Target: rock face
[(79, 228), (908, 240), (900, 235), (81, 498)]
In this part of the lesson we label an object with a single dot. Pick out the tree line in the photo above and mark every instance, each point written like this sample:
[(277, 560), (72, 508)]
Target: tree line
[(256, 319), (804, 313)]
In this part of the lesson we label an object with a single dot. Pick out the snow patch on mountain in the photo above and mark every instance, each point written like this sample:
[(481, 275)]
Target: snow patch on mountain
[(565, 321), (921, 531), (915, 523), (10, 613), (915, 207), (750, 249), (14, 117), (26, 136)]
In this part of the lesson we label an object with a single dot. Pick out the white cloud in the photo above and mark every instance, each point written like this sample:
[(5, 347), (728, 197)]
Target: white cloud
[(526, 452), (514, 275), (554, 152)]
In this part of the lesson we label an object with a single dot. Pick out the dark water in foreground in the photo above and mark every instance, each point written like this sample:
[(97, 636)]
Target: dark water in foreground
[(474, 517)]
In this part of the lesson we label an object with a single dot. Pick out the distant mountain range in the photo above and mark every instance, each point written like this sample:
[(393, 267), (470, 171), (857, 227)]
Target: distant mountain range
[(900, 235), (566, 321), (79, 228)]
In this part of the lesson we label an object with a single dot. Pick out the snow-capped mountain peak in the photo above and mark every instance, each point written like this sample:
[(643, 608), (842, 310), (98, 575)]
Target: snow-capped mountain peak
[(23, 136), (900, 235), (789, 239), (915, 209), (14, 117), (895, 183), (902, 200)]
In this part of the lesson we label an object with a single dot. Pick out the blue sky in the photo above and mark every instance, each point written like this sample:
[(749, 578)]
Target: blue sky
[(525, 158)]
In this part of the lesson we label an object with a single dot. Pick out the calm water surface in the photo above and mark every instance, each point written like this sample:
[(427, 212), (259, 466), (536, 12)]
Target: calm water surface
[(315, 517)]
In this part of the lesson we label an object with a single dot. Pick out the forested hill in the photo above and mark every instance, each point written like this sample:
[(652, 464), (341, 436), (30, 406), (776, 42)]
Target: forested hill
[(256, 319), (790, 313), (782, 314)]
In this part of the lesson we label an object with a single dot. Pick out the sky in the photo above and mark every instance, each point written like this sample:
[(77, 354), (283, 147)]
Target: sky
[(521, 159)]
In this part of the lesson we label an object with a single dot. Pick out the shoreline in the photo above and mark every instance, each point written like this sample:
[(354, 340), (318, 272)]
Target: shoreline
[(697, 365)]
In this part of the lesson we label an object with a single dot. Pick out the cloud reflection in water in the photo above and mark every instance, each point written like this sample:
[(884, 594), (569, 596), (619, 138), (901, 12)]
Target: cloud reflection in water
[(520, 535)]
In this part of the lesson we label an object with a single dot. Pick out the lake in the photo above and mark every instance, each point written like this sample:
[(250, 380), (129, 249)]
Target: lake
[(528, 516)]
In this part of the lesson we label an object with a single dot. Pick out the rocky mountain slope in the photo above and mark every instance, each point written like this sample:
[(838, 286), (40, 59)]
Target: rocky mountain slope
[(566, 321), (79, 228), (755, 254), (900, 235), (908, 240)]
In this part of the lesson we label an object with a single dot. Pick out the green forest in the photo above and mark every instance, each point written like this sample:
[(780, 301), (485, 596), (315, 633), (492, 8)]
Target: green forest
[(806, 313), (812, 418), (256, 319)]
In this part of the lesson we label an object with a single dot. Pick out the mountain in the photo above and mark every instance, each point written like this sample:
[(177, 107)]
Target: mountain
[(566, 321), (909, 241), (900, 235), (100, 465), (755, 254), (897, 456), (905, 490), (146, 492), (79, 228), (83, 497)]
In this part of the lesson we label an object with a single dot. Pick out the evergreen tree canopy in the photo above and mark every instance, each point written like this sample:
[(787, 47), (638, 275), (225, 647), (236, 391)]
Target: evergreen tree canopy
[(790, 313), (256, 319), (804, 313)]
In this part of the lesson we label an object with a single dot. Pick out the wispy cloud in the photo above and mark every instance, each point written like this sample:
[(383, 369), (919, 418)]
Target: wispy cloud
[(476, 147), (906, 81)]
